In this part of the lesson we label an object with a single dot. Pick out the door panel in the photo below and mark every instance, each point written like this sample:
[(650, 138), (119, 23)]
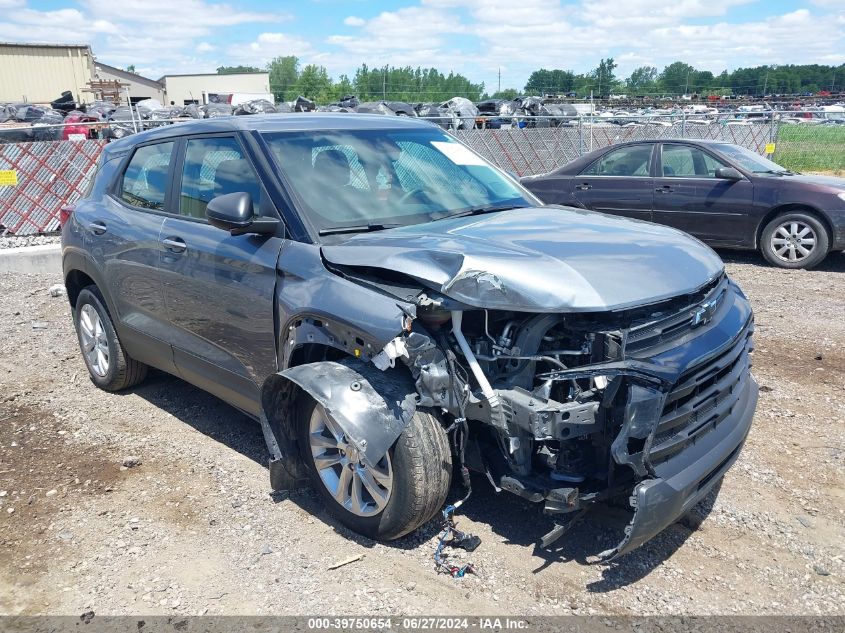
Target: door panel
[(628, 197), (219, 294), (124, 241), (619, 182), (219, 288), (689, 197)]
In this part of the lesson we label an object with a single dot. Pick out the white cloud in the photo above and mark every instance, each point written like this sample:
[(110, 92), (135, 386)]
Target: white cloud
[(157, 36), (196, 14), (406, 36), (63, 25), (522, 36), (473, 37), (267, 46)]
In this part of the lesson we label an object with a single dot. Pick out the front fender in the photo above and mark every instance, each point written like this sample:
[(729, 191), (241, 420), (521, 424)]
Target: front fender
[(372, 407)]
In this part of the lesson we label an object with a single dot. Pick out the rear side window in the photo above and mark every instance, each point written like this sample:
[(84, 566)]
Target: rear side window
[(634, 160), (144, 182), (215, 167)]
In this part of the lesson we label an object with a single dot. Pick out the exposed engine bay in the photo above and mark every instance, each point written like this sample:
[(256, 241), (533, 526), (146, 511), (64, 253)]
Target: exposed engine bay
[(570, 409), (623, 388)]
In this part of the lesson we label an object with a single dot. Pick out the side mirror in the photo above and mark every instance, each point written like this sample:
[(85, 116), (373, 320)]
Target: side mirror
[(233, 212), (728, 173)]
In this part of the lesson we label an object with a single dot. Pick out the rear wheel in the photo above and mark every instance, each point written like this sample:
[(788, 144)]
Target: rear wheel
[(110, 367), (794, 240), (385, 501)]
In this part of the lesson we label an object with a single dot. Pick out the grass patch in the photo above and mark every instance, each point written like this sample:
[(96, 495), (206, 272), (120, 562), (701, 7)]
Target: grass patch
[(811, 147)]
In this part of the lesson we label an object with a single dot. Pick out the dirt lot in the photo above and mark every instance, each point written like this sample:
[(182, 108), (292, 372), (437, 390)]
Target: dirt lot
[(192, 528)]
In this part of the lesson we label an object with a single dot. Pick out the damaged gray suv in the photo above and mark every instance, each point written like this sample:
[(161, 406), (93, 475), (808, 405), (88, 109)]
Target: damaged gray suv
[(389, 306)]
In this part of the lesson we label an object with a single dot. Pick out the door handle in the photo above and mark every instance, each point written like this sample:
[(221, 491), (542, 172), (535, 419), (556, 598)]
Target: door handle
[(585, 187), (665, 189), (97, 227), (174, 244)]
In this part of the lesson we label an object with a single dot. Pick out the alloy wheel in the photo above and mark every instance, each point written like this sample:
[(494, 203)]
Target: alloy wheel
[(95, 344), (793, 241), (361, 489)]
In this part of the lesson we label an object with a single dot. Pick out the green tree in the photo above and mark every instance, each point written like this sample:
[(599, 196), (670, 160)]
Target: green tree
[(231, 70), (508, 93), (343, 88), (604, 77), (412, 85), (314, 83), (677, 78), (542, 82), (643, 80), (130, 68), (284, 74)]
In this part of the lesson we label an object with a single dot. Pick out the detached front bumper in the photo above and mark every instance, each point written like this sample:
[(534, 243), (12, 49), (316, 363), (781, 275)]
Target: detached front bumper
[(701, 423), (661, 501)]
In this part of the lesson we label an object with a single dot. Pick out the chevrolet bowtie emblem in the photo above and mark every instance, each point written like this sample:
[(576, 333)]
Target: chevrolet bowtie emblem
[(703, 314)]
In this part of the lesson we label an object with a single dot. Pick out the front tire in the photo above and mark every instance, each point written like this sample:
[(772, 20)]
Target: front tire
[(794, 240), (401, 493), (110, 367)]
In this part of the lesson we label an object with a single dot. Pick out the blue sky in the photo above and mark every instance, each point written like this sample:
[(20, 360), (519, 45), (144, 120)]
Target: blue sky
[(473, 37)]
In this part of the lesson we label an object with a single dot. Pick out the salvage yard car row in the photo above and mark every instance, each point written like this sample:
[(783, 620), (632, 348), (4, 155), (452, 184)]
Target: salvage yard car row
[(20, 122)]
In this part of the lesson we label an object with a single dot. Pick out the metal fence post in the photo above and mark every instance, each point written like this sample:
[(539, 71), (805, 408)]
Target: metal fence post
[(683, 124), (580, 135)]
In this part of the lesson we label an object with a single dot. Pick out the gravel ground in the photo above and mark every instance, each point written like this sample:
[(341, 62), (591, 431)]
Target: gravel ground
[(156, 501), (13, 241)]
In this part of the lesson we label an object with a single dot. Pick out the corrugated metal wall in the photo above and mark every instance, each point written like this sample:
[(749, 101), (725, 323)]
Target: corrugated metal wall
[(39, 74)]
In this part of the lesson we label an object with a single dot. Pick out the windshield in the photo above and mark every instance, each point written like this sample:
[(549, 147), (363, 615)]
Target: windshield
[(350, 180), (749, 160)]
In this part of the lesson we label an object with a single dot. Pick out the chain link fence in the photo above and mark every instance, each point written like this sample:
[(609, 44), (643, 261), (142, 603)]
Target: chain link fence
[(37, 178), (535, 150)]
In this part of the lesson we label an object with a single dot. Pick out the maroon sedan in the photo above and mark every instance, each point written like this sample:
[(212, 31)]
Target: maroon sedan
[(723, 194)]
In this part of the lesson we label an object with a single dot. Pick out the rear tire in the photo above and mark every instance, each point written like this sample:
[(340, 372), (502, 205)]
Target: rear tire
[(419, 466), (794, 240), (110, 367)]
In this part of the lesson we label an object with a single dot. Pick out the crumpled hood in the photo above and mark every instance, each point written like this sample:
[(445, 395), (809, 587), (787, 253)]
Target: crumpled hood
[(541, 259)]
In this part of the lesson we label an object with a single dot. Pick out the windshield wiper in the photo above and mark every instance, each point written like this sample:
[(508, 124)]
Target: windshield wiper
[(488, 208), (361, 228), (777, 172)]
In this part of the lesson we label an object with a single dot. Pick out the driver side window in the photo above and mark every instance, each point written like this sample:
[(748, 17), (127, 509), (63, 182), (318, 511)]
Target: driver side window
[(683, 161), (214, 167)]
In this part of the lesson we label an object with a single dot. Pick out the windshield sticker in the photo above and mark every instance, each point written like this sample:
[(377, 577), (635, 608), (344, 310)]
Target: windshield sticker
[(458, 154)]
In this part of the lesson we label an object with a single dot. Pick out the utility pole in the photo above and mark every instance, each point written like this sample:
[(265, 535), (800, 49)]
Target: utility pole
[(384, 85), (766, 82), (833, 80), (500, 79)]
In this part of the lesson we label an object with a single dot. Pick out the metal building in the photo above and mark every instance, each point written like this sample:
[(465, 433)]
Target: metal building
[(185, 89), (139, 87), (39, 73)]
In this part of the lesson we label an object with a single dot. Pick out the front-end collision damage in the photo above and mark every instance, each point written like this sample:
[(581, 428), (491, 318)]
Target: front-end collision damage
[(563, 406)]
